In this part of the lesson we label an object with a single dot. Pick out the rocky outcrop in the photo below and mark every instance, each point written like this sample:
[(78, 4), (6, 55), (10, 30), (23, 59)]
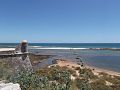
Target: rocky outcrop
[(9, 86)]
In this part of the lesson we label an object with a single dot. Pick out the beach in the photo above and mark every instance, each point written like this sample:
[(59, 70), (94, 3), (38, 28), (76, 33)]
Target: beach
[(7, 49), (95, 70)]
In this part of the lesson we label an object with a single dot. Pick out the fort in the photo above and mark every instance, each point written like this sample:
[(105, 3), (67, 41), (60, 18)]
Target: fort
[(19, 57)]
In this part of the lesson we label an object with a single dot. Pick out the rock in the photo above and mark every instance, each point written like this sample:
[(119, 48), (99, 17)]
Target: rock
[(54, 61), (9, 86)]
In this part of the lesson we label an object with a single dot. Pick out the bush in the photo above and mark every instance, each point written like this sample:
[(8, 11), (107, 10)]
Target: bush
[(58, 74), (43, 79), (100, 85), (87, 73), (82, 84), (26, 80), (5, 70)]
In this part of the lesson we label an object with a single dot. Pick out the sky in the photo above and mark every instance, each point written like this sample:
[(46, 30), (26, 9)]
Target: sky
[(60, 21)]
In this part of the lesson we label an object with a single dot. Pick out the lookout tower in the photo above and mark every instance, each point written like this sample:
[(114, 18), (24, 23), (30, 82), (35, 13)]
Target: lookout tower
[(23, 55), (24, 46)]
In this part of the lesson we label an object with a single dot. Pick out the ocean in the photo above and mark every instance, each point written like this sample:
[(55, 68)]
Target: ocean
[(65, 45), (101, 55)]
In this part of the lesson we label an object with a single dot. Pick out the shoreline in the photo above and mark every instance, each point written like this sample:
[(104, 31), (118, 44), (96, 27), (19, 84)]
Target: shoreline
[(68, 48), (60, 48), (97, 70), (94, 69)]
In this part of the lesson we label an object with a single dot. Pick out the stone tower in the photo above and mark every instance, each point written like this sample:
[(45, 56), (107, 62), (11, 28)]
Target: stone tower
[(22, 59), (24, 46)]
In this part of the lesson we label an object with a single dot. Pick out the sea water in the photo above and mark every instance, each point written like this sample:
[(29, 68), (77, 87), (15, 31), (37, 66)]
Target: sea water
[(107, 58)]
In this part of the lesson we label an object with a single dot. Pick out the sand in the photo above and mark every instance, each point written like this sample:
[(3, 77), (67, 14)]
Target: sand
[(95, 70), (7, 49), (67, 63)]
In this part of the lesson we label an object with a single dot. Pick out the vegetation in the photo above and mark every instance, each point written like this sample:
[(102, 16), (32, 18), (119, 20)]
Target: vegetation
[(5, 70), (44, 79), (59, 78), (100, 84)]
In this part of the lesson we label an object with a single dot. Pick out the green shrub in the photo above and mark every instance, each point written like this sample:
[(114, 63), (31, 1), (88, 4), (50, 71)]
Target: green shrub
[(82, 84), (5, 70), (100, 85)]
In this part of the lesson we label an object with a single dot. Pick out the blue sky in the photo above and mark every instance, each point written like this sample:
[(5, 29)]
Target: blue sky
[(82, 21)]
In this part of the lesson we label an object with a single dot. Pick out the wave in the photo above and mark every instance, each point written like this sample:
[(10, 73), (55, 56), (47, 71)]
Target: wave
[(67, 48), (61, 48), (35, 46)]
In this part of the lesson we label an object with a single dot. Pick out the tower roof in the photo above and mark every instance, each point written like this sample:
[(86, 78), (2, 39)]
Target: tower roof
[(24, 41)]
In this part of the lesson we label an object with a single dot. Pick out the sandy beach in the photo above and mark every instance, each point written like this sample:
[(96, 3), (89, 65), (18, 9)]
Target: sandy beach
[(95, 70), (6, 49)]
